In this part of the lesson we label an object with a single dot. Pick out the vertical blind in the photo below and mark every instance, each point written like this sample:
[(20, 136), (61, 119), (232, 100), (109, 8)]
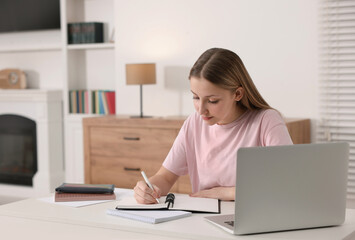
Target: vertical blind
[(337, 79)]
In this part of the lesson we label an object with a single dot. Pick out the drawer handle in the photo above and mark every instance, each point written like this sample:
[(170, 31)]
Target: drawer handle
[(132, 169), (131, 138)]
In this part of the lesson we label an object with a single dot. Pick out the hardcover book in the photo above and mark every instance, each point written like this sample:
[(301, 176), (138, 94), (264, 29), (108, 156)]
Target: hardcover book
[(70, 197), (86, 188), (85, 32)]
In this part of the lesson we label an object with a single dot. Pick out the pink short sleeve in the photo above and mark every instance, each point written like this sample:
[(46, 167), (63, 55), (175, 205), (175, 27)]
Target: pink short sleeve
[(176, 160)]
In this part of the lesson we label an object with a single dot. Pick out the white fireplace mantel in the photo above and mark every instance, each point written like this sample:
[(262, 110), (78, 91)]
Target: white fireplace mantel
[(45, 108)]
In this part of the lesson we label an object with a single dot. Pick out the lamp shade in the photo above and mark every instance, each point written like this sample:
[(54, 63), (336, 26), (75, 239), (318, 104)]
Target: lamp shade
[(139, 74)]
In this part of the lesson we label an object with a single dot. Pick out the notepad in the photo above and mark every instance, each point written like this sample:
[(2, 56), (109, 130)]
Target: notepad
[(182, 202), (149, 216)]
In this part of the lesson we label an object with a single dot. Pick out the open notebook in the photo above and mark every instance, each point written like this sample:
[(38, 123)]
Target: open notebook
[(181, 202)]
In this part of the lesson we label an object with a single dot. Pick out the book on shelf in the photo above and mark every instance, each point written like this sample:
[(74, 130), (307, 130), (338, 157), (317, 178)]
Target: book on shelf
[(86, 99), (80, 100), (92, 101), (71, 110), (111, 101), (85, 32), (96, 102), (104, 102), (101, 103)]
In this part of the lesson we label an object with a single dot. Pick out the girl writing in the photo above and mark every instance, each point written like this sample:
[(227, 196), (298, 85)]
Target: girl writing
[(230, 114)]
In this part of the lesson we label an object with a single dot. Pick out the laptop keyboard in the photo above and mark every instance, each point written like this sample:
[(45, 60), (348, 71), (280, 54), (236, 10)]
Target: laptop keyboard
[(231, 223)]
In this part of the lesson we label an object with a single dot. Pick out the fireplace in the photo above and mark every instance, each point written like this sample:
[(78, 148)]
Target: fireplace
[(31, 142), (18, 150)]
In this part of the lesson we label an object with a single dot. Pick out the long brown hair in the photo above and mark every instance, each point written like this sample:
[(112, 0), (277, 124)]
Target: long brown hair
[(225, 69)]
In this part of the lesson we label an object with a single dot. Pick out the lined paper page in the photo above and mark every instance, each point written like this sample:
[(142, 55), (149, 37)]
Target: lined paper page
[(195, 204)]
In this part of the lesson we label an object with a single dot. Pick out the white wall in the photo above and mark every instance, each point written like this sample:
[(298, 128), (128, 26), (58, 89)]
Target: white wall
[(37, 53), (276, 39)]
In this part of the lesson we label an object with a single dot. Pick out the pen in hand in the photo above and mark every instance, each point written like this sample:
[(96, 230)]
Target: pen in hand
[(148, 183)]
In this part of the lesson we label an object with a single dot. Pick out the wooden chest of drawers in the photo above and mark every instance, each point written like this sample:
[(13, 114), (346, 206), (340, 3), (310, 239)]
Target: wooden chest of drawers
[(117, 148)]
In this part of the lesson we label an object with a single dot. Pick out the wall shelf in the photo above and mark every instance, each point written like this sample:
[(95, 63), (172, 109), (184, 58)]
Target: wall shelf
[(15, 49), (91, 46)]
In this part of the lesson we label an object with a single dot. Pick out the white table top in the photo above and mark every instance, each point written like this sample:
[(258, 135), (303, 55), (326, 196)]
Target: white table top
[(33, 217)]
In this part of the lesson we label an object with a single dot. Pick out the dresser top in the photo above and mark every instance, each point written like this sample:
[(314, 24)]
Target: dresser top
[(127, 121)]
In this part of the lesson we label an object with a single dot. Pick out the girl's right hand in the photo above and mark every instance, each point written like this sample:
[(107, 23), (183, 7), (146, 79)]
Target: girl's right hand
[(144, 195)]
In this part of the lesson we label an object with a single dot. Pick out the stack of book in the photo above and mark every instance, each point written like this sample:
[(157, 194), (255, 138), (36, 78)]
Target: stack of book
[(96, 101), (85, 32), (68, 192)]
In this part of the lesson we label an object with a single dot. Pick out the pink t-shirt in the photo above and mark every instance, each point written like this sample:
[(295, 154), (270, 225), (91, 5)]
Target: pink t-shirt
[(208, 153)]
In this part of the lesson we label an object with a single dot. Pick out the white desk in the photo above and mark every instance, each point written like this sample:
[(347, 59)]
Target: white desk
[(35, 219)]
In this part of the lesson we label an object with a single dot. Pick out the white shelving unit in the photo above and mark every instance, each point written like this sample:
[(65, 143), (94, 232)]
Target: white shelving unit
[(52, 63), (85, 66)]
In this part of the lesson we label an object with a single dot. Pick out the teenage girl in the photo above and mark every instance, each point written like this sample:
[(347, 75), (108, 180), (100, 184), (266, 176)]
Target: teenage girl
[(230, 113)]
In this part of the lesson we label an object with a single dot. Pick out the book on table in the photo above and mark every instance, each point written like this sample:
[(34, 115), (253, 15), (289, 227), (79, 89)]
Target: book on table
[(70, 197), (84, 192), (149, 216), (171, 207), (180, 202)]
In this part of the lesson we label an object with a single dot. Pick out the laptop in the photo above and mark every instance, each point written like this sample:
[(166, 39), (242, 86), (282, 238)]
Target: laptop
[(288, 187)]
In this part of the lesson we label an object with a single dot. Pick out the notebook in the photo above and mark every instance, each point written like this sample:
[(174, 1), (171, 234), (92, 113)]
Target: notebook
[(288, 187), (149, 216), (70, 197), (181, 202), (85, 188)]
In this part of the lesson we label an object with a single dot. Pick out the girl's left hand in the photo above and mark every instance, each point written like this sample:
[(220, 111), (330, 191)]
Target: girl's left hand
[(222, 193)]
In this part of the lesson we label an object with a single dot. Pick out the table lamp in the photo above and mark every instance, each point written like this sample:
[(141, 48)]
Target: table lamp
[(140, 74)]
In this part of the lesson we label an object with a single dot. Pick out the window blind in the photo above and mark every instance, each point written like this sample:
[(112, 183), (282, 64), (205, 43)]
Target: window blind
[(337, 79)]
